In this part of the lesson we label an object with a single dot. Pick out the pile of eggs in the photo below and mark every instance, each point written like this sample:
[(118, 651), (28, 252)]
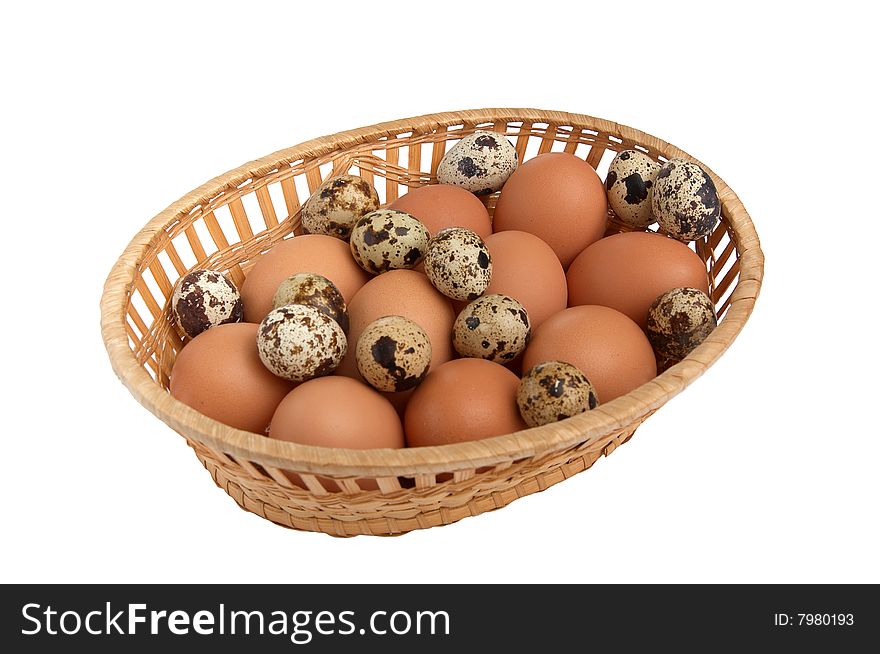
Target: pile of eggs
[(426, 323)]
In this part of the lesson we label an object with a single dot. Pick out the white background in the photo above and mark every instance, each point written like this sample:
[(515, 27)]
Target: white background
[(765, 470)]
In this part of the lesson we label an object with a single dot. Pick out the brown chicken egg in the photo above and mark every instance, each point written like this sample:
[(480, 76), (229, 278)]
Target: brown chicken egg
[(219, 374), (629, 271), (439, 206), (525, 268), (463, 400), (609, 348), (337, 412), (406, 293), (557, 197), (311, 253)]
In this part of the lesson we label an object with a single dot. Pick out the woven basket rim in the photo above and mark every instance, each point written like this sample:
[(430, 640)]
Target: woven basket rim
[(592, 425)]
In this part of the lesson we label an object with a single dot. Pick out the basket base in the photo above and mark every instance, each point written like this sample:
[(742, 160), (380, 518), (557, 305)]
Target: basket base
[(377, 514)]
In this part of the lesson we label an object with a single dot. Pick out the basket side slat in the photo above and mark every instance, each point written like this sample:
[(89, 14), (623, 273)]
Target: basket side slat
[(267, 208), (240, 220), (291, 199)]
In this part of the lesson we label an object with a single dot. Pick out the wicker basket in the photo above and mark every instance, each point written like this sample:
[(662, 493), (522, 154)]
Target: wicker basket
[(229, 222)]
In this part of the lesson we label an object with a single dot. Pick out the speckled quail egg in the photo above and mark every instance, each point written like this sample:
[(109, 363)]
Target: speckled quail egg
[(553, 391), (678, 321), (494, 327), (388, 239), (685, 201), (203, 299), (393, 354), (665, 363), (458, 263), (336, 205), (629, 186), (316, 291), (480, 163), (298, 342)]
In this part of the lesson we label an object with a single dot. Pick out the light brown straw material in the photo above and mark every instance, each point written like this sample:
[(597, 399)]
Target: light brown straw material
[(231, 221)]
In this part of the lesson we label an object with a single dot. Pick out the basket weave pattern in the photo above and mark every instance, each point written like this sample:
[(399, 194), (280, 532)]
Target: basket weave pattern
[(232, 220)]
